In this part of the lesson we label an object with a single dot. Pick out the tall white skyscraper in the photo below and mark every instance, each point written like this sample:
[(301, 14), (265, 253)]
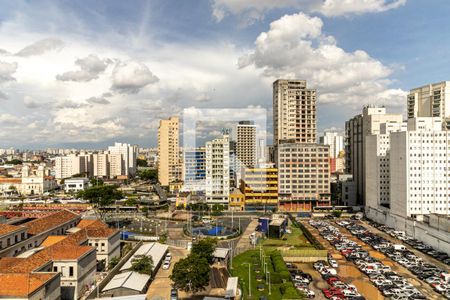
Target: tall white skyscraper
[(218, 170), (335, 140), (129, 155)]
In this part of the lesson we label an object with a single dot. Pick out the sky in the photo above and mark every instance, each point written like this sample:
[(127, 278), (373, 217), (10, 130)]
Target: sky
[(87, 73)]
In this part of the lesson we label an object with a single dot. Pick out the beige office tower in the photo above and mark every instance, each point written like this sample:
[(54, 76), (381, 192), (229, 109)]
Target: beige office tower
[(116, 165), (246, 144), (430, 101), (294, 112), (169, 163)]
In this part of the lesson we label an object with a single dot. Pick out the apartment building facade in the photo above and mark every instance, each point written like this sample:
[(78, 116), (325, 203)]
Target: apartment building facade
[(303, 176), (294, 112), (431, 100), (194, 170), (218, 170), (356, 130), (260, 188), (169, 164)]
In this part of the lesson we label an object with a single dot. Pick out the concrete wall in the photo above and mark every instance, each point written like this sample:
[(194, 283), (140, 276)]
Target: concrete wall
[(438, 239)]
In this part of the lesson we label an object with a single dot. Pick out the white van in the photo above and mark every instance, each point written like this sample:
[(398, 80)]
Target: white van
[(206, 220), (399, 247)]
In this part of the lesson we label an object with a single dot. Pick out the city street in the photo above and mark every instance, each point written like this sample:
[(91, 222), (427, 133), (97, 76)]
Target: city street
[(161, 285)]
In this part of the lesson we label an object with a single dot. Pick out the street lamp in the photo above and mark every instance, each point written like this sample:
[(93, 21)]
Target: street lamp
[(270, 291), (249, 280)]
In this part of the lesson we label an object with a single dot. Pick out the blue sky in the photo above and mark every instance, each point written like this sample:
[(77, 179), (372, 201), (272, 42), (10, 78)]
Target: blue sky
[(87, 73)]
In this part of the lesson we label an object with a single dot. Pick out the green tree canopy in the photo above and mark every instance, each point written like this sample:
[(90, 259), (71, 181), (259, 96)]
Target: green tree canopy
[(141, 162), (191, 274), (148, 174), (205, 248), (102, 195), (13, 162), (143, 265), (113, 262)]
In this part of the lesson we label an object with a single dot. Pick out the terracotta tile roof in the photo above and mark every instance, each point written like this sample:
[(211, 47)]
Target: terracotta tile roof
[(96, 228), (6, 228), (51, 221), (85, 223), (23, 284), (53, 239)]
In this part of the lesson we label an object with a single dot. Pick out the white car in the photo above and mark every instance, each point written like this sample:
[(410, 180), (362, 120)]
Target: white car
[(333, 263), (169, 256), (166, 265)]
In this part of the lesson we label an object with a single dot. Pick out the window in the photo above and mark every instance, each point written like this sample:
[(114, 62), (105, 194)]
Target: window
[(70, 271), (55, 269)]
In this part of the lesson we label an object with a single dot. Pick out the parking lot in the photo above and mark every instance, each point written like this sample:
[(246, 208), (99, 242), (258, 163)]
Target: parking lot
[(402, 262), (347, 272)]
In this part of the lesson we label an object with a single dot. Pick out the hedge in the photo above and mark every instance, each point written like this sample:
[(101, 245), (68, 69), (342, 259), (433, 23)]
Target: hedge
[(306, 233)]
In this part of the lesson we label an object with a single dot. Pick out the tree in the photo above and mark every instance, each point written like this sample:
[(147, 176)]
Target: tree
[(101, 195), (191, 274), (205, 248), (113, 262), (337, 213), (148, 174), (13, 162), (141, 162), (143, 265), (96, 181)]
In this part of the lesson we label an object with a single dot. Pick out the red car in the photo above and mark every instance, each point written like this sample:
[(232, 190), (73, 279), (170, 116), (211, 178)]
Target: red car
[(332, 279), (332, 292)]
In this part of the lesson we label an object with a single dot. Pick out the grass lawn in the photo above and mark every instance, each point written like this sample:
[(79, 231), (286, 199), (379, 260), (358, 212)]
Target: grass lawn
[(241, 270), (295, 239)]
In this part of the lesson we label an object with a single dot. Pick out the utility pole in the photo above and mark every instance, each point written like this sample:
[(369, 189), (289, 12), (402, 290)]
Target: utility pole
[(270, 290)]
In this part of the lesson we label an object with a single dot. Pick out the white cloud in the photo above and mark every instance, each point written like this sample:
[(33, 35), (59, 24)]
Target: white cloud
[(7, 70), (30, 102), (251, 11), (8, 119), (131, 76), (41, 47), (295, 47), (90, 67), (3, 96), (333, 8), (97, 100)]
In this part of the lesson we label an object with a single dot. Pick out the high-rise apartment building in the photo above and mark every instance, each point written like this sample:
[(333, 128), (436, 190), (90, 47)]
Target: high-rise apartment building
[(356, 130), (377, 164), (169, 164), (100, 165), (303, 165), (67, 166), (218, 170), (245, 137), (414, 162), (129, 156), (335, 140), (303, 176), (294, 112), (432, 100)]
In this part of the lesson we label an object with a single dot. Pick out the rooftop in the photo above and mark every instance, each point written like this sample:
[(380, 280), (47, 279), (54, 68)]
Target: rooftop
[(6, 229), (96, 228), (22, 284), (129, 280), (51, 221)]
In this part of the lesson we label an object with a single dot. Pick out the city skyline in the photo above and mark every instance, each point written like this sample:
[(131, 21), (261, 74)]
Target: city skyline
[(66, 75)]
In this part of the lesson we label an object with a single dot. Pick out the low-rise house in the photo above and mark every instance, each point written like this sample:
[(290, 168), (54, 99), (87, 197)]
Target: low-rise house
[(74, 185)]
